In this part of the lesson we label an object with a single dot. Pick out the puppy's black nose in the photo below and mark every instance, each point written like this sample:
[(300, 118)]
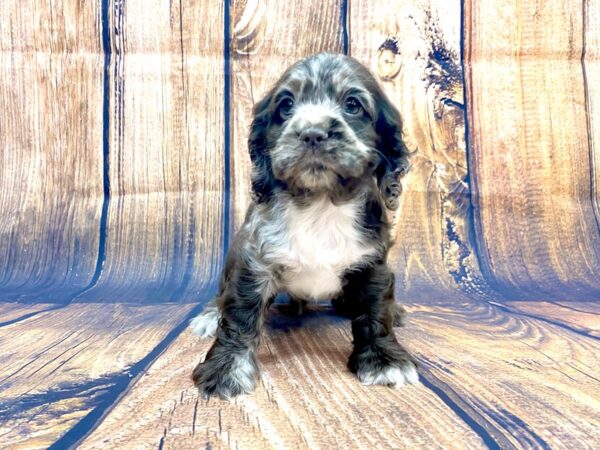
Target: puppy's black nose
[(313, 137)]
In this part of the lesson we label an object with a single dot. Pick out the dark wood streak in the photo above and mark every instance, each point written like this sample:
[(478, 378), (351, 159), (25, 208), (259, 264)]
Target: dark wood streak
[(418, 63), (53, 376)]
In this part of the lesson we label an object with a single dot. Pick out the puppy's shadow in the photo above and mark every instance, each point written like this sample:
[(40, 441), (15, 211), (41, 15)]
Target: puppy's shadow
[(286, 315)]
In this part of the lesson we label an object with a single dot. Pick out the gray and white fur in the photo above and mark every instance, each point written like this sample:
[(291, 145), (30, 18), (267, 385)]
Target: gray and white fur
[(327, 154)]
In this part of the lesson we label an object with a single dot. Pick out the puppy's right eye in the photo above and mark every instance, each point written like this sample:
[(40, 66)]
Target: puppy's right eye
[(285, 107), (352, 106)]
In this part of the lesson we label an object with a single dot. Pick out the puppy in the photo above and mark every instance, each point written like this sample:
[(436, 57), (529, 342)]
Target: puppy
[(327, 154)]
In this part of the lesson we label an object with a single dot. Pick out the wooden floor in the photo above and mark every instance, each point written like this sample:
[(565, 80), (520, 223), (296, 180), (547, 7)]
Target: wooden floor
[(116, 376)]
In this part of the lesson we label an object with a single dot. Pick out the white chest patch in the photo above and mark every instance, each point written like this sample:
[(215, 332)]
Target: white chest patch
[(316, 244)]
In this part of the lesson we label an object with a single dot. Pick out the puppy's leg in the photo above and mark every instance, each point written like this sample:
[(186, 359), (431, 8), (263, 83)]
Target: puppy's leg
[(349, 310), (230, 367), (377, 357), (295, 307), (343, 307)]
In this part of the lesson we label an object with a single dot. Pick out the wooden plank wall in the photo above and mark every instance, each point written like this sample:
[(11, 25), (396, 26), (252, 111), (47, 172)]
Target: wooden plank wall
[(51, 97), (533, 156), (112, 141), (124, 190), (414, 50), (165, 219)]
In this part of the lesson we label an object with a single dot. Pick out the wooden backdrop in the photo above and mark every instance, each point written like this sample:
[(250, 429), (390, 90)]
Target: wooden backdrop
[(124, 172)]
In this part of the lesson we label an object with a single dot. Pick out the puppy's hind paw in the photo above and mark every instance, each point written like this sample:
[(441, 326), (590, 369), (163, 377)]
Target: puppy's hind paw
[(205, 325)]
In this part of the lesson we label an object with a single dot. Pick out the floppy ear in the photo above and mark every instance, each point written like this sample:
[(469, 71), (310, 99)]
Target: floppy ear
[(394, 163), (263, 181)]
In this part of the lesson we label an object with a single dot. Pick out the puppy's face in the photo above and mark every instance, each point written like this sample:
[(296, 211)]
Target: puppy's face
[(322, 129), (323, 125)]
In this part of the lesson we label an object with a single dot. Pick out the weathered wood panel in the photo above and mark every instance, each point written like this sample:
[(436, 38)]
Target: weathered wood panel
[(265, 41), (529, 383), (583, 317), (306, 399), (50, 147), (14, 312), (530, 162), (413, 48), (60, 365), (165, 221), (591, 73), (490, 378)]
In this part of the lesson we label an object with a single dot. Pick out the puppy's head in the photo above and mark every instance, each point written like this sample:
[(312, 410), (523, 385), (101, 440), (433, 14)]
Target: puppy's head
[(326, 124)]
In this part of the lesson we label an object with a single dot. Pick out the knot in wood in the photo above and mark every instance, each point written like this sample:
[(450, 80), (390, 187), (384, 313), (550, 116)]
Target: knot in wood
[(247, 32), (388, 59)]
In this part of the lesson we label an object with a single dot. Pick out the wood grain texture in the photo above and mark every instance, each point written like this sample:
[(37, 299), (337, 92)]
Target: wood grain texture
[(57, 366), (53, 26), (166, 155), (50, 148), (530, 162), (135, 100), (12, 312), (306, 399), (591, 74), (265, 41), (520, 382), (583, 317), (413, 48), (530, 383)]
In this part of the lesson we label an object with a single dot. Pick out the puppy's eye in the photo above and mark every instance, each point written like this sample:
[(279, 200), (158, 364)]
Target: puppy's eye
[(352, 106), (285, 107)]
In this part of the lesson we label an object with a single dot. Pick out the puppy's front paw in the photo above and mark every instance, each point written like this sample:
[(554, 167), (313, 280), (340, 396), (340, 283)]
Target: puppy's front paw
[(226, 376), (390, 374), (378, 366)]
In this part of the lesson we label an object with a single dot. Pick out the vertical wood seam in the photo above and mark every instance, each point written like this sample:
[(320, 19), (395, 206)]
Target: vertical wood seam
[(190, 243), (227, 128), (471, 183), (345, 36), (107, 49)]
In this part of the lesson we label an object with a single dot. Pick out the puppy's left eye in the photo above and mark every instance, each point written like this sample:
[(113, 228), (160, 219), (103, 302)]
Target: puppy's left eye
[(285, 107), (352, 106)]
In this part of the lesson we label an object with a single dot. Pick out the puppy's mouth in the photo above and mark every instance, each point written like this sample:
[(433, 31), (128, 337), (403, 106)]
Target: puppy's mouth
[(316, 163), (316, 167), (320, 164)]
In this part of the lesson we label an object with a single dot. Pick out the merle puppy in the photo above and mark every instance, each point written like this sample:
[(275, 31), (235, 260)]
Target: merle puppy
[(327, 153)]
